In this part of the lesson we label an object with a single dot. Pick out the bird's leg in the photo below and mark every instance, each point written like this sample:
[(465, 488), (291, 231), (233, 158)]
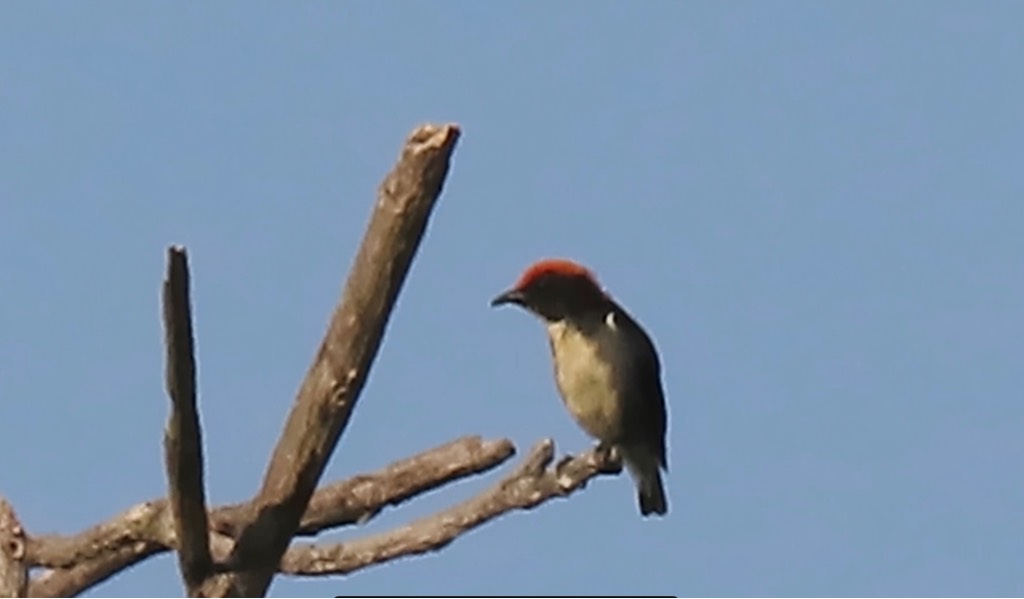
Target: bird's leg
[(608, 457), (606, 452)]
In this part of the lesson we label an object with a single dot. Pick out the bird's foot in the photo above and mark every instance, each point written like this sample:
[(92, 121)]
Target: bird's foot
[(606, 452), (608, 457)]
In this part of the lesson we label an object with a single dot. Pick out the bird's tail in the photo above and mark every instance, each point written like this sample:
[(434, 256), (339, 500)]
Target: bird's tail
[(645, 470), (651, 495)]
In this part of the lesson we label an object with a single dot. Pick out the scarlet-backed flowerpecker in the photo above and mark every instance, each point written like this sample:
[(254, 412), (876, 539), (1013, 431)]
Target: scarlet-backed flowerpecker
[(606, 369)]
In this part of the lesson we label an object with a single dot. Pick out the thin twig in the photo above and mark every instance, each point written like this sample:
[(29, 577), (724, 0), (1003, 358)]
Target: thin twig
[(183, 439), (530, 484)]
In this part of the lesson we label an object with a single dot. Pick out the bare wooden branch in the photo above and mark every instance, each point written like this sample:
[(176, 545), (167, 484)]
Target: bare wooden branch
[(130, 527), (332, 385), (70, 582), (362, 497), (85, 559), (529, 485), (183, 439), (13, 566), (532, 482)]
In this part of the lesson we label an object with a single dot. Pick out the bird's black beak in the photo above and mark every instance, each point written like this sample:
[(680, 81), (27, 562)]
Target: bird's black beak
[(512, 296)]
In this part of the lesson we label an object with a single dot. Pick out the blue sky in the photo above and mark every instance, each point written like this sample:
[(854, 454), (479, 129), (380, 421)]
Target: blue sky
[(816, 208)]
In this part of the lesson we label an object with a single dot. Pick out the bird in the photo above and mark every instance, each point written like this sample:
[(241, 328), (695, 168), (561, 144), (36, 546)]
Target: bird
[(606, 368)]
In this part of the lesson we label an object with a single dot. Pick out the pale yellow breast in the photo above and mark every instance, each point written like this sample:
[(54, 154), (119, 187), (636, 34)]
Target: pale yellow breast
[(585, 382)]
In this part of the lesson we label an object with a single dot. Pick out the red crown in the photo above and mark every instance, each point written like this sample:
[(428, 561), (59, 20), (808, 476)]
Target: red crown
[(554, 266)]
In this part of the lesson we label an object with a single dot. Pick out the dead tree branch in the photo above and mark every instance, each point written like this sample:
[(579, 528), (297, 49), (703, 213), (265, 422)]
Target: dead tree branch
[(360, 498), (533, 482), (13, 566), (130, 527), (85, 559), (332, 385), (529, 485), (183, 439), (72, 581), (235, 550)]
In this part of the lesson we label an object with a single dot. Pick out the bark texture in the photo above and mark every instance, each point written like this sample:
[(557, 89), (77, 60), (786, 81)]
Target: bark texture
[(235, 550)]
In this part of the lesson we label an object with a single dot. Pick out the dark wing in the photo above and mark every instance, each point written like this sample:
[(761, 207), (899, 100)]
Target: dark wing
[(648, 412)]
